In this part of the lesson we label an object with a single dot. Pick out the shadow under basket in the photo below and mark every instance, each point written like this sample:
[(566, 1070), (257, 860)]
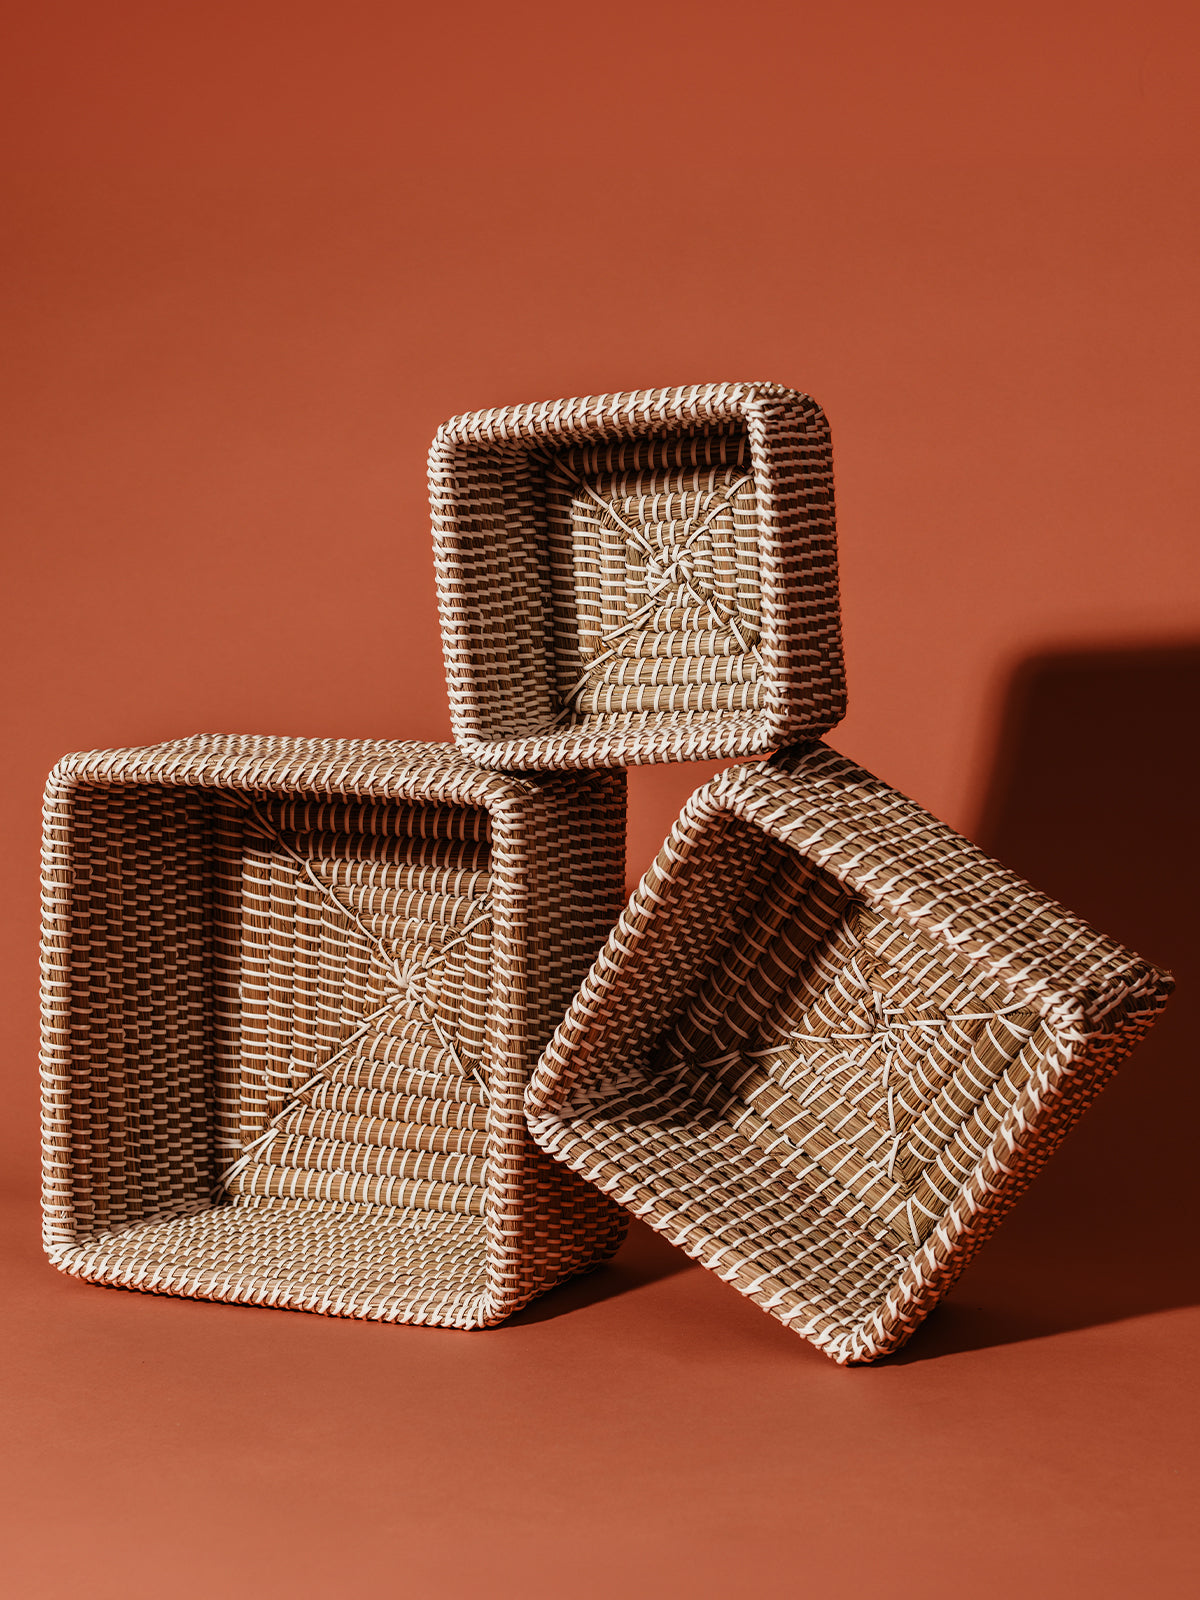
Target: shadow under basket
[(292, 992), (828, 1044), (638, 577)]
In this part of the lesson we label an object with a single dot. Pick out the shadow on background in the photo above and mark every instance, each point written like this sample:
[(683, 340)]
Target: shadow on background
[(1094, 800)]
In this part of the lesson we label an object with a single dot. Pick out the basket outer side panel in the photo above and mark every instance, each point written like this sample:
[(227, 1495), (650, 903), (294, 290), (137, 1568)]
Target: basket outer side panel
[(558, 857)]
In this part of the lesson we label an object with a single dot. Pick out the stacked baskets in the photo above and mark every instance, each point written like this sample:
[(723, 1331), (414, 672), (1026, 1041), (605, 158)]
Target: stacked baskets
[(295, 992)]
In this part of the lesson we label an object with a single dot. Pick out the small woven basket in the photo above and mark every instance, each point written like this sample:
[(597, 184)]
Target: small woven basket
[(638, 577), (828, 1044), (292, 991)]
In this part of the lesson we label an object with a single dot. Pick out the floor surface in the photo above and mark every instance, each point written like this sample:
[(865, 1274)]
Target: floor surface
[(644, 1431)]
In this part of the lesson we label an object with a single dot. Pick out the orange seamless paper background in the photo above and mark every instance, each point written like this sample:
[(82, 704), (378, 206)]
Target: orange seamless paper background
[(254, 254)]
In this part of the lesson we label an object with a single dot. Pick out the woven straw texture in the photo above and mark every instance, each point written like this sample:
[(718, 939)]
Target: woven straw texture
[(638, 577), (292, 992), (828, 1043)]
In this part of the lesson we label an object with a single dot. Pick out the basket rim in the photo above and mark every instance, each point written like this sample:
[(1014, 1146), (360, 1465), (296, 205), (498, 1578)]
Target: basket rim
[(278, 764), (622, 413)]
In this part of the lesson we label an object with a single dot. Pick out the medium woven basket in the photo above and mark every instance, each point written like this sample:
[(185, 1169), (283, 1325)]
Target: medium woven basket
[(638, 577), (292, 992), (828, 1044)]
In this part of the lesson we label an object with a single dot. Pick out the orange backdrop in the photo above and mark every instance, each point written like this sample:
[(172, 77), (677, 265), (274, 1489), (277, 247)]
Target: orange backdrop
[(254, 254)]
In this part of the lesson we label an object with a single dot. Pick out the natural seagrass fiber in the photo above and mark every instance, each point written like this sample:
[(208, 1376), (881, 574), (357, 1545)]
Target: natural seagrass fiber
[(648, 576), (828, 1044), (292, 992)]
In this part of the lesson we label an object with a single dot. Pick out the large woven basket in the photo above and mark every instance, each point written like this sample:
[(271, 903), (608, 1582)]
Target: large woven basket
[(292, 991), (638, 577), (828, 1044)]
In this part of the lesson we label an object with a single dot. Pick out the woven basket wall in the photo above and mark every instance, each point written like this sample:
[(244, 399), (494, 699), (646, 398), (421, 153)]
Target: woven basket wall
[(828, 1044), (292, 992), (638, 577)]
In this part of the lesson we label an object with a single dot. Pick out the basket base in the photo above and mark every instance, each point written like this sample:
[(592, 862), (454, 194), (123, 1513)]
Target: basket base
[(384, 1264)]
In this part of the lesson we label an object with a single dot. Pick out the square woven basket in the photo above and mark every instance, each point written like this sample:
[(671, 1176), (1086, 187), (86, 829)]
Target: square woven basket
[(828, 1044), (638, 577), (292, 993)]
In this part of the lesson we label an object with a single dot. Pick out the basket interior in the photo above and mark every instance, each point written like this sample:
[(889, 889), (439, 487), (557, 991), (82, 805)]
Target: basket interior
[(277, 1040), (614, 581), (825, 1088)]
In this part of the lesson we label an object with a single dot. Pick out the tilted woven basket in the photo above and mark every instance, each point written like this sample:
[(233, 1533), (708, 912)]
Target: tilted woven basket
[(292, 992), (828, 1044), (638, 577)]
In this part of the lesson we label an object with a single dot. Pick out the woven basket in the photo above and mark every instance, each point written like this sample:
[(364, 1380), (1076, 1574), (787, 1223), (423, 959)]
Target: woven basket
[(638, 577), (828, 1044), (292, 991)]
